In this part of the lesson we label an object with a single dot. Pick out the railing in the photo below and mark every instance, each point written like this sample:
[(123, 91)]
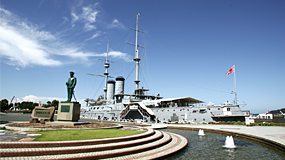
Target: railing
[(143, 112), (126, 112)]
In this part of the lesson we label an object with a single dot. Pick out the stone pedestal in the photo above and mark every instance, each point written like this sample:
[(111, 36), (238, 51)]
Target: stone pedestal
[(68, 111)]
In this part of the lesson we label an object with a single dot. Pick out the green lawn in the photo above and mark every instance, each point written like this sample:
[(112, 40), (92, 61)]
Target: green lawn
[(82, 134)]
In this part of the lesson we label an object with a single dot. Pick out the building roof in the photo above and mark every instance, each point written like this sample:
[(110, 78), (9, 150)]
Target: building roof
[(182, 99)]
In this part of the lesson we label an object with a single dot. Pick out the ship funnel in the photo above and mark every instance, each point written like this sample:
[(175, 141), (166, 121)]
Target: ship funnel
[(110, 89), (119, 93)]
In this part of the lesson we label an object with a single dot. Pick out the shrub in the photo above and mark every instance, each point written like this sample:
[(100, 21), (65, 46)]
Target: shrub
[(239, 123), (230, 122), (273, 124)]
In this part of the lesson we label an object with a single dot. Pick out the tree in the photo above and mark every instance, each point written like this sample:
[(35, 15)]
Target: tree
[(17, 104), (45, 105), (26, 105), (4, 105), (54, 103), (35, 105)]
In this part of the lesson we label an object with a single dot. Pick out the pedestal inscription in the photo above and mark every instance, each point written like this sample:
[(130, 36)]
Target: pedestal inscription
[(65, 108), (40, 113)]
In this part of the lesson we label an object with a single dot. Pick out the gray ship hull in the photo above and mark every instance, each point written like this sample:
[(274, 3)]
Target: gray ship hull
[(139, 111)]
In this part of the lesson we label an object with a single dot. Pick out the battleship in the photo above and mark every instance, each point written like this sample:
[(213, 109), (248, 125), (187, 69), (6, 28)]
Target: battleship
[(116, 105)]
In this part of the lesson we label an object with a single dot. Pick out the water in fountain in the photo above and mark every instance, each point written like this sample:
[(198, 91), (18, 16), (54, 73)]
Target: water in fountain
[(211, 147), (201, 132), (229, 143)]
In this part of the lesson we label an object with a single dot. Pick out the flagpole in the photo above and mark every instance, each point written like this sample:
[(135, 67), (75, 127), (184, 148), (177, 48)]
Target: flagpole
[(235, 84)]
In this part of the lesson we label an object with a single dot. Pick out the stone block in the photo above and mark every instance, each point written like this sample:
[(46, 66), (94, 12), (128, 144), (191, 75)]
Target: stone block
[(43, 113), (34, 120), (68, 111)]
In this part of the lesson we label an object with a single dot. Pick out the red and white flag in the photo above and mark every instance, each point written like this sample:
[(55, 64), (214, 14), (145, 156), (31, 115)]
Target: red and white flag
[(232, 70)]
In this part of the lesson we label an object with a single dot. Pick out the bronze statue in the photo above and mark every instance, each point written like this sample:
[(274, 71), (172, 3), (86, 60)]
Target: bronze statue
[(70, 86)]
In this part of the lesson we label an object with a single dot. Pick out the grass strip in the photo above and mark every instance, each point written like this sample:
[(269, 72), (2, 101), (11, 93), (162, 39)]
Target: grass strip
[(83, 134)]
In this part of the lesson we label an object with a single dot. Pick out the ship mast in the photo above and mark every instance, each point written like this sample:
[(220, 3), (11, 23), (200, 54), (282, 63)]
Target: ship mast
[(106, 71), (137, 59), (106, 74)]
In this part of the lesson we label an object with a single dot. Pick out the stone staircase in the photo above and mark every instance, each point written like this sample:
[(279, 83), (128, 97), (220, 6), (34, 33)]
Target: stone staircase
[(149, 145)]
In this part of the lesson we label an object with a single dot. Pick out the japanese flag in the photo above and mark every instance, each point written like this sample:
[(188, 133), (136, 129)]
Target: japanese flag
[(232, 70)]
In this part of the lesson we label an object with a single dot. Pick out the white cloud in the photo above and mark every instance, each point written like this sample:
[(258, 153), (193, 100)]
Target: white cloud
[(24, 44), (22, 51), (116, 24), (86, 15), (74, 53), (74, 17), (119, 55), (34, 33), (43, 100), (89, 27), (5, 11), (65, 19), (35, 99), (97, 34)]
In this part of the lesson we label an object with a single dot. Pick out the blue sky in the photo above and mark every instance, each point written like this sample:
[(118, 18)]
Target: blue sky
[(190, 45)]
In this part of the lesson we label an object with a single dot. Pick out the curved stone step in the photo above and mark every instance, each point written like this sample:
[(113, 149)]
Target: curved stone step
[(49, 144), (107, 153), (20, 152), (178, 143), (157, 145)]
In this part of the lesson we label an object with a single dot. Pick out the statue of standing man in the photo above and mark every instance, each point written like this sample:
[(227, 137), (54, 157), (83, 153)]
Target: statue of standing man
[(70, 86)]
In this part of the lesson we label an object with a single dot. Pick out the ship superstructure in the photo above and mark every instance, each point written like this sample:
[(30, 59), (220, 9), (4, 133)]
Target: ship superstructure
[(117, 105)]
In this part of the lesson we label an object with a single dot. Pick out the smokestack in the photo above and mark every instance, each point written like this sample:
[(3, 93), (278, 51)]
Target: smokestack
[(110, 89), (119, 87)]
